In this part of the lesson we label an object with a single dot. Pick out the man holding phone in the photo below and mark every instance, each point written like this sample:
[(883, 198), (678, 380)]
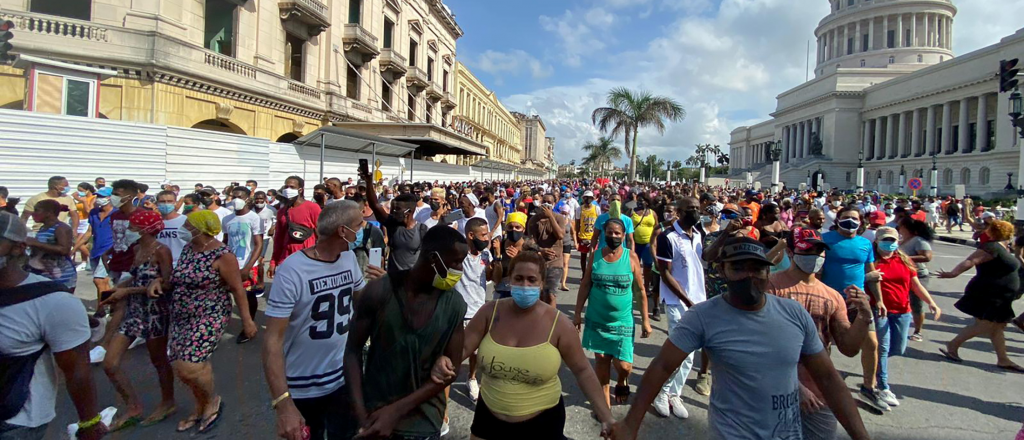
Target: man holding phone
[(404, 232)]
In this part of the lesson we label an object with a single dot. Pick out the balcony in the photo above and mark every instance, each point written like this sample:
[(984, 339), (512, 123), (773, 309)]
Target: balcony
[(434, 93), (310, 13), (448, 100), (392, 64), (416, 79), (360, 45)]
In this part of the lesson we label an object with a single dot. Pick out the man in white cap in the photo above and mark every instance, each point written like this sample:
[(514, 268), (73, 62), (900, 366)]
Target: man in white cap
[(469, 203), (42, 327)]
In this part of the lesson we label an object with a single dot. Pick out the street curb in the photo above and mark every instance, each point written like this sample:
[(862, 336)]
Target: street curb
[(960, 241)]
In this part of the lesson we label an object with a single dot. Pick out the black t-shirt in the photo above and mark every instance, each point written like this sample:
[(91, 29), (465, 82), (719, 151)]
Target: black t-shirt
[(404, 244), (952, 209)]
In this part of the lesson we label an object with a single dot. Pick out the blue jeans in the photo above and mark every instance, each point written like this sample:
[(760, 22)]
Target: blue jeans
[(892, 341)]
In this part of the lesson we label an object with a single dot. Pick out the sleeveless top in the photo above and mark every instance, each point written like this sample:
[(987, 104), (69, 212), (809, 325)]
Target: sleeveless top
[(643, 227), (588, 216), (611, 293), (519, 381)]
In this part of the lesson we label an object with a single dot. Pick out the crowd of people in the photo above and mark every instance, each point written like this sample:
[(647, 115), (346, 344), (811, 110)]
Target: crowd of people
[(379, 294)]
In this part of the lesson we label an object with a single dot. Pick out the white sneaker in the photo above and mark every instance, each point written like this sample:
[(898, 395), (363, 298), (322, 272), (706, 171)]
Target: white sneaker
[(82, 267), (137, 342), (678, 409), (661, 406), (474, 389), (888, 397), (444, 427), (98, 331), (97, 354)]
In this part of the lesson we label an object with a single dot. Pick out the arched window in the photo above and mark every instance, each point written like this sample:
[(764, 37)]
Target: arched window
[(888, 178), (965, 176), (985, 176), (947, 176)]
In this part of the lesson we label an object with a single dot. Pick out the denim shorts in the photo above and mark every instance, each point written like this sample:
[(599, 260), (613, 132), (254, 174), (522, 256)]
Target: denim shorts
[(98, 269)]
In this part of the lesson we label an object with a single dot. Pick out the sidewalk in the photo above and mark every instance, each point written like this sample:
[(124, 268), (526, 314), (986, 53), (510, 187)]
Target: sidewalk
[(956, 237)]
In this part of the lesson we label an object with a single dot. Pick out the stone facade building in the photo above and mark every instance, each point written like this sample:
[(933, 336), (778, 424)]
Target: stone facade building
[(483, 118), (888, 93)]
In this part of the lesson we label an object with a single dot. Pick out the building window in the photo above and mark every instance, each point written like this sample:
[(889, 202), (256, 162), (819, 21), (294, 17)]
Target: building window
[(389, 31), (956, 140), (965, 176), (412, 108), (352, 83), (864, 43), (427, 115), (430, 69), (413, 48), (920, 58), (863, 63), (293, 46), (64, 93), (444, 80), (849, 46), (849, 2), (991, 134), (80, 9), (985, 176), (890, 39), (848, 177), (906, 38), (888, 178), (219, 29), (973, 143), (355, 11), (892, 60)]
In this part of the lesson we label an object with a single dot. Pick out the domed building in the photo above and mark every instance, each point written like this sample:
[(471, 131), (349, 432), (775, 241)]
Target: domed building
[(889, 93)]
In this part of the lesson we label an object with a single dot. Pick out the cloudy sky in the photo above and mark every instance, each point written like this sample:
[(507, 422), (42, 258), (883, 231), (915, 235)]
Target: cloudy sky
[(725, 61)]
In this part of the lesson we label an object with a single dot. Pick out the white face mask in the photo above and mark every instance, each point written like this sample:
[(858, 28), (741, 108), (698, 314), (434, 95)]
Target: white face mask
[(184, 235), (836, 203), (238, 204), (131, 237), (261, 205), (117, 201), (290, 193), (809, 263), (102, 201)]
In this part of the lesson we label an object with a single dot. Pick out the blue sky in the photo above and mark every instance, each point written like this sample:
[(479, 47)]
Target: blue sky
[(723, 60)]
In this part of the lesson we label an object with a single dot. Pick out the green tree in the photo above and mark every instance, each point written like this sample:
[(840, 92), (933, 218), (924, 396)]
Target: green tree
[(601, 155), (628, 111), (651, 168)]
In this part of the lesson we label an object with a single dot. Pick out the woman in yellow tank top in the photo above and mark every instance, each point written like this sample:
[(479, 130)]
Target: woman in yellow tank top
[(521, 343)]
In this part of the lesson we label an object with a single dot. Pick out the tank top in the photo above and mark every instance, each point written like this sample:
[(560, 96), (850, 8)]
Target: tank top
[(588, 216), (492, 218), (643, 227), (611, 294), (519, 381)]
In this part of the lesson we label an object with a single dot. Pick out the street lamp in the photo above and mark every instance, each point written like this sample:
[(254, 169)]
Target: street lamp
[(934, 190), (860, 171), (1017, 111), (903, 178), (821, 180), (776, 154)]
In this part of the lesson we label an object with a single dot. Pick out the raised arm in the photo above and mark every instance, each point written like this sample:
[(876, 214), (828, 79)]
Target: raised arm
[(371, 198)]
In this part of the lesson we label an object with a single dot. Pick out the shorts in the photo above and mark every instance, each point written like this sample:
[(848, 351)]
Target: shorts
[(820, 425), (566, 249), (584, 246), (643, 251), (917, 304), (82, 227), (554, 277), (548, 425), (98, 269), (331, 415)]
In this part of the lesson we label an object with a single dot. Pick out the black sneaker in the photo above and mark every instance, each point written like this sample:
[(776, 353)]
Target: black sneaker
[(873, 398), (656, 317), (242, 338)]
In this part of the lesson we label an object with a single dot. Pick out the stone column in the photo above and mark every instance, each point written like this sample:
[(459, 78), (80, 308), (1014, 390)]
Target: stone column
[(949, 32), (913, 29), (964, 140), (947, 128), (982, 139), (807, 139), (879, 145), (866, 141), (929, 143), (890, 146), (871, 33), (857, 40), (799, 138), (915, 134), (785, 145), (927, 30), (885, 32), (899, 31), (901, 140)]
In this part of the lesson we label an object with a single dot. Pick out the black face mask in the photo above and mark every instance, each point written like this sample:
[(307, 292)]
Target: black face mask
[(434, 206), (480, 245), (514, 236), (207, 201), (745, 291), (613, 242), (690, 218)]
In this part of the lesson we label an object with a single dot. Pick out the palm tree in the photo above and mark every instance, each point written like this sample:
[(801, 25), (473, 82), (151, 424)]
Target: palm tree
[(601, 154), (628, 111)]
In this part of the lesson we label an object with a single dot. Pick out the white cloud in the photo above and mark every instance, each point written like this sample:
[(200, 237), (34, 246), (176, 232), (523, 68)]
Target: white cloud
[(515, 62), (599, 17), (575, 38)]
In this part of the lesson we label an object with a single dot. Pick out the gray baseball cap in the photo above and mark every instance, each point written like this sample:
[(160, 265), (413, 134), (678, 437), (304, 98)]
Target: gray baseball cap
[(12, 228)]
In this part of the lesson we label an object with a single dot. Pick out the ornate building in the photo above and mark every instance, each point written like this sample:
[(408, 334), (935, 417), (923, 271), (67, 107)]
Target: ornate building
[(538, 149), (888, 93), (275, 70), (483, 118)]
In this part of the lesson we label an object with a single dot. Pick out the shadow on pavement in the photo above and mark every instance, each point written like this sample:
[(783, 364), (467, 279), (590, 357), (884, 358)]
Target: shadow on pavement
[(1005, 411)]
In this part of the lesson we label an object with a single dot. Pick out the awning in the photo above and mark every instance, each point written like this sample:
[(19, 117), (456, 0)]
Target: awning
[(337, 138), (430, 139), (492, 164)]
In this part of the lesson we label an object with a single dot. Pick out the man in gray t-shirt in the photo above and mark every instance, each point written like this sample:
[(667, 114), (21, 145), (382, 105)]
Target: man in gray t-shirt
[(755, 342)]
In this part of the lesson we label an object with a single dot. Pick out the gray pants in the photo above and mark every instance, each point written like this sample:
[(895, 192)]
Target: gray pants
[(821, 425), (15, 432)]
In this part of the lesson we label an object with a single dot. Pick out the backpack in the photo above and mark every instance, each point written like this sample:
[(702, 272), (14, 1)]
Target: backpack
[(16, 371)]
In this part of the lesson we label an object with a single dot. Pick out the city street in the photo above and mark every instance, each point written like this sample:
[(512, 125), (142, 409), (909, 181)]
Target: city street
[(939, 399)]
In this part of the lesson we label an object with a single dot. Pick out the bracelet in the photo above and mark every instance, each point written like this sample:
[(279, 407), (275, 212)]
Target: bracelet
[(273, 404), (91, 422)]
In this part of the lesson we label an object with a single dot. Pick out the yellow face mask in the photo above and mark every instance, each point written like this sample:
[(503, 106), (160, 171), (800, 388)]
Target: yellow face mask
[(447, 282)]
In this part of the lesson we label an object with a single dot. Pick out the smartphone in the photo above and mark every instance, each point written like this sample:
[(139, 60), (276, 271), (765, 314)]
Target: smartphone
[(364, 166), (454, 216), (375, 257), (105, 295)]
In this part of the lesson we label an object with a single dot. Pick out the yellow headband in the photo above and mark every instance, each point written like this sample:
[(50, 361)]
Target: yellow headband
[(205, 221)]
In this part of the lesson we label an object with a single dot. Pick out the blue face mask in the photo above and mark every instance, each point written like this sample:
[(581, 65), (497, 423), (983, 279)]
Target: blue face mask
[(165, 208), (888, 246), (525, 296), (359, 238)]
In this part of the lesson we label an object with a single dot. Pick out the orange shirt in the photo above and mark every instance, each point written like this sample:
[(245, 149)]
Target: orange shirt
[(755, 208)]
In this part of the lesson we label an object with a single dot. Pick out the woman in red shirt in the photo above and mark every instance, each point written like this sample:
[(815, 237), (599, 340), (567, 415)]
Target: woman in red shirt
[(894, 318)]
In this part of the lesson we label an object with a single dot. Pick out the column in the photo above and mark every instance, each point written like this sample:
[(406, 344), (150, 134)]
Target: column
[(964, 140), (947, 128), (866, 140), (982, 139), (913, 29), (915, 133), (927, 30), (885, 31), (833, 54), (817, 54), (929, 142), (901, 136), (890, 146), (807, 139), (857, 40), (798, 140), (879, 146), (950, 39), (871, 33), (899, 30)]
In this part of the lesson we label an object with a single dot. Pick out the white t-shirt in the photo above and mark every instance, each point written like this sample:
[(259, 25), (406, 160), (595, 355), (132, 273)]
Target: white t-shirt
[(221, 213), (58, 321), (241, 232), (269, 218), (422, 213), (316, 298), (473, 284), (830, 219), (492, 218), (169, 236)]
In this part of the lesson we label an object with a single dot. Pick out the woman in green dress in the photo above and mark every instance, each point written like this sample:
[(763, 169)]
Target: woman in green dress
[(613, 279)]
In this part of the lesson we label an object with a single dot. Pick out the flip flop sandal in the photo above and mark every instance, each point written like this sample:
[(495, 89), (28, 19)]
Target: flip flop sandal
[(126, 423), (191, 424), (158, 419), (1015, 368), (623, 392), (950, 356), (211, 421)]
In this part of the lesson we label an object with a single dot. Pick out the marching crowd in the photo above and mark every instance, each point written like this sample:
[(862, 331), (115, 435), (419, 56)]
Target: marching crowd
[(378, 295)]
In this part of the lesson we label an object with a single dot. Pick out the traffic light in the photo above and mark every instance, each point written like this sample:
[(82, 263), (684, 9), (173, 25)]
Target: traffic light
[(5, 45), (1007, 75)]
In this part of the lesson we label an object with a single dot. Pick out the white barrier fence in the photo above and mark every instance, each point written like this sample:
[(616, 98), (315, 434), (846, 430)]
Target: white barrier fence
[(35, 146)]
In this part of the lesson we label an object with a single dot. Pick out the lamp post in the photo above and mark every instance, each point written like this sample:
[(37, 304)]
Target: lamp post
[(860, 171), (903, 179), (809, 179), (749, 179), (934, 190), (821, 180), (776, 153)]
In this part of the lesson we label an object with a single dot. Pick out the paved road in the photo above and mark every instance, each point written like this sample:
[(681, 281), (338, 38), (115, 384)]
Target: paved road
[(940, 400)]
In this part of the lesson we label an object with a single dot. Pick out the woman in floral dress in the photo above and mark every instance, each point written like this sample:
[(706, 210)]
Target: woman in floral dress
[(148, 318), (204, 280)]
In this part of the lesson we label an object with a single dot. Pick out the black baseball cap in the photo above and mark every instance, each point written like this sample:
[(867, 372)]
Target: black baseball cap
[(744, 248)]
